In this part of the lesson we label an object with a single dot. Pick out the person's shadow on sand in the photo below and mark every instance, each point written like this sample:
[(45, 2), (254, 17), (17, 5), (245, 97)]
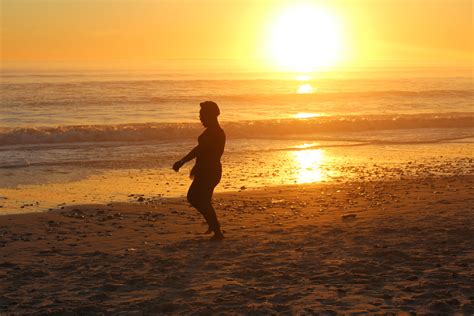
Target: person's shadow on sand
[(207, 171)]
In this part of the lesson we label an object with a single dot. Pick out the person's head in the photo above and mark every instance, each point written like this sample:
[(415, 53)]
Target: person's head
[(208, 113)]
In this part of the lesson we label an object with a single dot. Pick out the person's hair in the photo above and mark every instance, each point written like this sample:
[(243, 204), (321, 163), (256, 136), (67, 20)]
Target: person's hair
[(210, 108)]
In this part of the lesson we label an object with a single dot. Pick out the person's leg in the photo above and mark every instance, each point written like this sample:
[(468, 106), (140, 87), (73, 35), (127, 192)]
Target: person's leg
[(208, 211), (214, 223), (211, 213), (195, 194), (200, 197)]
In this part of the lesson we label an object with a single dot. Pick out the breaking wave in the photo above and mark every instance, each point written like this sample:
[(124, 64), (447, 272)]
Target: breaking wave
[(340, 125)]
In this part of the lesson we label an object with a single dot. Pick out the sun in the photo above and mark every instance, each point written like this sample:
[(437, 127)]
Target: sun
[(305, 38)]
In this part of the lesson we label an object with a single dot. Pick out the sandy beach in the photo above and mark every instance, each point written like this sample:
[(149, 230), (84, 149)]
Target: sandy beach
[(372, 247), (334, 139)]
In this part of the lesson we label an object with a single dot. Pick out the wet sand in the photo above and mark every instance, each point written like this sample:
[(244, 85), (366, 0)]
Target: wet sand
[(372, 247), (50, 187)]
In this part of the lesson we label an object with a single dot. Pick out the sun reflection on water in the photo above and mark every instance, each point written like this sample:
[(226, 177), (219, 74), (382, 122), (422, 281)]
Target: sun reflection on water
[(308, 165), (305, 89), (307, 145), (303, 77), (306, 115)]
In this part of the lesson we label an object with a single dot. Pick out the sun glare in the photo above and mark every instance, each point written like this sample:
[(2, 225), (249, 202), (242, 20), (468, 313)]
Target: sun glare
[(305, 38)]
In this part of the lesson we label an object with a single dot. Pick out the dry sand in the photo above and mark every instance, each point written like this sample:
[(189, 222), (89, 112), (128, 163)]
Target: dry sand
[(402, 246)]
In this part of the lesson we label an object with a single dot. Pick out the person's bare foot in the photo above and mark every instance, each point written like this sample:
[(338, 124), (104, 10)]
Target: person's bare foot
[(218, 236)]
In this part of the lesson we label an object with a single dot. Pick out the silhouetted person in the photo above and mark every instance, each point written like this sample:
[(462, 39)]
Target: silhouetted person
[(207, 170)]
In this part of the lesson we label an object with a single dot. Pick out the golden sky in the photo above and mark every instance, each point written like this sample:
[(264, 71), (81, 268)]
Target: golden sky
[(373, 32)]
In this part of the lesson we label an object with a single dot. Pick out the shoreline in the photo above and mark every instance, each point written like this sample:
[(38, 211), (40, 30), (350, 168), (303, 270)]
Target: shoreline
[(43, 188), (360, 246)]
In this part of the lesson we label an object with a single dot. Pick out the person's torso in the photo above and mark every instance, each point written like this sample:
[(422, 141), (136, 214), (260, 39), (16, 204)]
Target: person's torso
[(211, 147)]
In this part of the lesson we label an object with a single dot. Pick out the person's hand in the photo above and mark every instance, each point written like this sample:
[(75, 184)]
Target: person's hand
[(178, 164)]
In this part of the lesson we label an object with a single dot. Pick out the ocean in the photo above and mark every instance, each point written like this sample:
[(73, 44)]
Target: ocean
[(123, 130)]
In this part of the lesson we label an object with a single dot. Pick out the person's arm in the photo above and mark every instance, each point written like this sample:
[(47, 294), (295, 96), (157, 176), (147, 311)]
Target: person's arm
[(190, 156)]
